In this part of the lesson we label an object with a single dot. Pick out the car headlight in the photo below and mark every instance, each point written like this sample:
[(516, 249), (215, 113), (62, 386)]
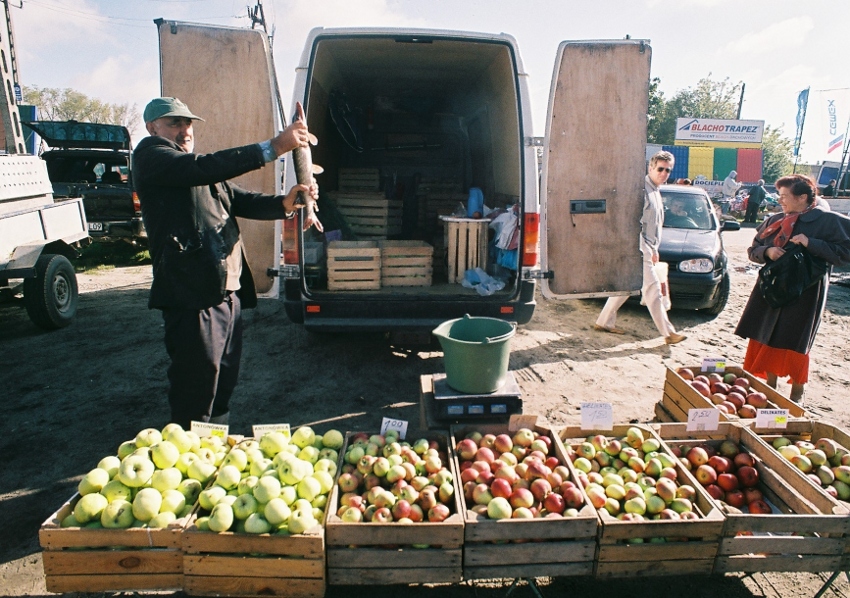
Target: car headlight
[(698, 266)]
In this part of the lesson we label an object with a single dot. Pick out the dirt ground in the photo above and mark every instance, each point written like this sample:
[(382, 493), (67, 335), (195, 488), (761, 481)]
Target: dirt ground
[(73, 395)]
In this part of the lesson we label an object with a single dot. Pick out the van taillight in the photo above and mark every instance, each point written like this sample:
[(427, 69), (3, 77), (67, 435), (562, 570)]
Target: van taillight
[(290, 240), (137, 206), (531, 239)]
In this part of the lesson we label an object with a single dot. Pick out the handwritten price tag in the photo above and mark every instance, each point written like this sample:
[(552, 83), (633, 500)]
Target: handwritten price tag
[(703, 420), (261, 429), (713, 364), (394, 424), (203, 429), (597, 416), (772, 418)]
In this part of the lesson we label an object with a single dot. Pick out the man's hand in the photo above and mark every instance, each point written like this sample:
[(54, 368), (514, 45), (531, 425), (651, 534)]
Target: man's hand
[(295, 135), (292, 203)]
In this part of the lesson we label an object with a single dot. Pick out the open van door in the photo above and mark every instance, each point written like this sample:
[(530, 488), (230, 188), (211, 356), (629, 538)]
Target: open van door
[(594, 168), (225, 75)]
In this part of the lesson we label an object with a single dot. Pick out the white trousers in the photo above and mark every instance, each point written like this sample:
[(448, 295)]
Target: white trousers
[(651, 297)]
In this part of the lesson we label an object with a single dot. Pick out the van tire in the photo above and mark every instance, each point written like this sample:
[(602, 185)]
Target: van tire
[(51, 297), (721, 297)]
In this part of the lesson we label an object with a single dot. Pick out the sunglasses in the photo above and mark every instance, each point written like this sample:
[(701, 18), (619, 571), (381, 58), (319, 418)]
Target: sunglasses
[(663, 169)]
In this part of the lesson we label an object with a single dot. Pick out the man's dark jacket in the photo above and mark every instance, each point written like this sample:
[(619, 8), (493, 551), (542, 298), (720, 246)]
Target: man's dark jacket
[(188, 209), (756, 197)]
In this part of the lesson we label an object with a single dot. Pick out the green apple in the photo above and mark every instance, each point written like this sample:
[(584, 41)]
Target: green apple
[(181, 439), (190, 489), (125, 449), (203, 523), (209, 497), (309, 453), (247, 484), (303, 436), (254, 454), (115, 490), (147, 503), (228, 477), (93, 481), (329, 454), (163, 519), (293, 471), (276, 511), (327, 465), (273, 443), (166, 479), (257, 524), (205, 453), (326, 481), (69, 521), (260, 466), (244, 505), (135, 471), (142, 451), (221, 518), (201, 470), (187, 510), (89, 508), (169, 429), (236, 457), (288, 494), (333, 439), (184, 461), (309, 488), (164, 454), (118, 514), (267, 488), (111, 464), (172, 501), (148, 437), (301, 520)]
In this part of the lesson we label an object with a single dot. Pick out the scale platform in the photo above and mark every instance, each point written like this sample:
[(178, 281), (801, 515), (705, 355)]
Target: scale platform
[(441, 403)]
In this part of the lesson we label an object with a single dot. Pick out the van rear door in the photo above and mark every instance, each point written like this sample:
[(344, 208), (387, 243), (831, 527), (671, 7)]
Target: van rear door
[(594, 168), (222, 71)]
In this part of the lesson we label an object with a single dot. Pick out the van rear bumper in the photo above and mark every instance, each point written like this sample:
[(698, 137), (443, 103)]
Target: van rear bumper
[(352, 315)]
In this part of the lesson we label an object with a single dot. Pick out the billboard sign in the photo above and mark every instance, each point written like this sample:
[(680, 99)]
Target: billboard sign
[(707, 131)]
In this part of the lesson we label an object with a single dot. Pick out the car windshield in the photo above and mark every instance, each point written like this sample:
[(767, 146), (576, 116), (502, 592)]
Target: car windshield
[(686, 210)]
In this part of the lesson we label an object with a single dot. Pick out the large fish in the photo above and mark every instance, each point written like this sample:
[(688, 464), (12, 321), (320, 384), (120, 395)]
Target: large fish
[(302, 160)]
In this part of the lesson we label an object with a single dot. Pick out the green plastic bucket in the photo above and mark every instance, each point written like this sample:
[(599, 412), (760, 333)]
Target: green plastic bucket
[(476, 352)]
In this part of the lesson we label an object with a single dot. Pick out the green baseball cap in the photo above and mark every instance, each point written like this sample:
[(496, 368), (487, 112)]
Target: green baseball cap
[(159, 107)]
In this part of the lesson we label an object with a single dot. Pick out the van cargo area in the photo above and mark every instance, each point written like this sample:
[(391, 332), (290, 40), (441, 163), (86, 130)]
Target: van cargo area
[(406, 127)]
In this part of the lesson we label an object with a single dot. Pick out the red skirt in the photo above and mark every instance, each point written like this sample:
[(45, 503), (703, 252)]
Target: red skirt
[(761, 359)]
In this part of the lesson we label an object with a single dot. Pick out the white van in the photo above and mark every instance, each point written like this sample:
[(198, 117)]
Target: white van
[(409, 122)]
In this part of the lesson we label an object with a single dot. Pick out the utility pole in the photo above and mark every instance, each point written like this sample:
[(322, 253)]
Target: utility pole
[(8, 65), (741, 100), (257, 16)]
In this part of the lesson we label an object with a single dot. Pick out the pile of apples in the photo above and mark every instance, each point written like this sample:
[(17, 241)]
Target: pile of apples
[(727, 473), (515, 476), (825, 462), (276, 484), (631, 478), (153, 481), (384, 480), (730, 393)]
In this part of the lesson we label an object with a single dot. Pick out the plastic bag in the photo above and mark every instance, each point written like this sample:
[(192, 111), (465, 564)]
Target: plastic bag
[(483, 283), (660, 269)]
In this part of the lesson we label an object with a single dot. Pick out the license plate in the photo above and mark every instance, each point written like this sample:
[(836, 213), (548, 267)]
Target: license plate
[(96, 226)]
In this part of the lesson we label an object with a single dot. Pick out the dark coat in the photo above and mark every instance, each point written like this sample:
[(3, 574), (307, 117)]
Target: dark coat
[(188, 209), (794, 326), (756, 196)]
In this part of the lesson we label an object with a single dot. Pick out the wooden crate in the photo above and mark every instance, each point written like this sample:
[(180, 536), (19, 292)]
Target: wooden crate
[(354, 265), (395, 553), (359, 179), (406, 263), (679, 397), (512, 548), (369, 214), (693, 548), (466, 245), (436, 201), (110, 560), (808, 534), (238, 564)]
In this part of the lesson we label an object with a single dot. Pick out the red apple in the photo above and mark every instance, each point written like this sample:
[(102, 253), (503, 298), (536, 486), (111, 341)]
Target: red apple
[(540, 488), (554, 503), (705, 475), (747, 412), (500, 487), (503, 443), (466, 449), (744, 460), (742, 382), (438, 513), (720, 463), (701, 387), (759, 507), (573, 497), (697, 456), (401, 509), (748, 476), (728, 482), (735, 498), (485, 454), (715, 491), (757, 399), (751, 494), (736, 399), (685, 373), (521, 497)]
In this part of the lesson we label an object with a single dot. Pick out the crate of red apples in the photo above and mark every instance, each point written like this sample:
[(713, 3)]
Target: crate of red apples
[(394, 515), (656, 520), (734, 392), (525, 513), (775, 521)]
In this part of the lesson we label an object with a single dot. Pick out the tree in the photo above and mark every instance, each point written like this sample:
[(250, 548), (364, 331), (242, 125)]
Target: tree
[(68, 104), (777, 154)]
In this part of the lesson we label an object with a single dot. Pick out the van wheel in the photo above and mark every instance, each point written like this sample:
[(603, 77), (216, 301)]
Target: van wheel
[(721, 298), (51, 297)]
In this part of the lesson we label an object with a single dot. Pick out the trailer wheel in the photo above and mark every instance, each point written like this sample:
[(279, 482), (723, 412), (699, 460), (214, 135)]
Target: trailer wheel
[(51, 297)]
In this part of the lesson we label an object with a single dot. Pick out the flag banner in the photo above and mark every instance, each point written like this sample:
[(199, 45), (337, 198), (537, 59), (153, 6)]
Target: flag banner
[(802, 103), (827, 121)]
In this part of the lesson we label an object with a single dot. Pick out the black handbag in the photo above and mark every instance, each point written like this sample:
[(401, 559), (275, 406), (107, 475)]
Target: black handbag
[(783, 281)]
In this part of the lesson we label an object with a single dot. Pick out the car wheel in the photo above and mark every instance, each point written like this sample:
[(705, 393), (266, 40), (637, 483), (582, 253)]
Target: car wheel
[(51, 297), (721, 297)]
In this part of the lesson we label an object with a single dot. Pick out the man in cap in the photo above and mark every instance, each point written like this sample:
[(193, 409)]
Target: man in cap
[(201, 280)]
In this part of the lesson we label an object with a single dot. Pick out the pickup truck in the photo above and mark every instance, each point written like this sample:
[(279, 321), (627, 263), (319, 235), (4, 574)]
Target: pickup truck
[(92, 161)]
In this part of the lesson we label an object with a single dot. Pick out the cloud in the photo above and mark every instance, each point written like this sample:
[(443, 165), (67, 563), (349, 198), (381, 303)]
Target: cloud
[(784, 35)]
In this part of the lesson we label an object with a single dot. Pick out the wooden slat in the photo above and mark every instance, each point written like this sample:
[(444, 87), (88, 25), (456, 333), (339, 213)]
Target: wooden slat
[(528, 553), (112, 562), (376, 575), (308, 545), (253, 586), (405, 558), (528, 570), (783, 564), (661, 551), (61, 584), (779, 545), (653, 568), (209, 565)]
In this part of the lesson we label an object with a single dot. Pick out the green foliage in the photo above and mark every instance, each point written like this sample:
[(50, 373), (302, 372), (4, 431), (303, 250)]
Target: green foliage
[(68, 104), (101, 255), (777, 154)]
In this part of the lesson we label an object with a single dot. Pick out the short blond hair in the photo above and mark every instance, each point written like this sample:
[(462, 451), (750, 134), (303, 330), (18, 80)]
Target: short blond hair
[(662, 156)]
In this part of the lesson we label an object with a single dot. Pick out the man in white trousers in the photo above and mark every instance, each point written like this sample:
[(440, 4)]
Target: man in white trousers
[(660, 166)]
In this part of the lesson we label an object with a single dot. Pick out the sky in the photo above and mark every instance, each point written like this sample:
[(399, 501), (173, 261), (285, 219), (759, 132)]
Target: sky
[(108, 49)]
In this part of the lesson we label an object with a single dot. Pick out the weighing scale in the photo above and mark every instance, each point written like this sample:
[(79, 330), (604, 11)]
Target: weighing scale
[(452, 405)]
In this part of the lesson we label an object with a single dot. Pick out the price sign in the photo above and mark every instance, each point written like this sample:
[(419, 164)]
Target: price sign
[(703, 420), (772, 418), (713, 364), (597, 416), (518, 421), (398, 425), (203, 429), (261, 429)]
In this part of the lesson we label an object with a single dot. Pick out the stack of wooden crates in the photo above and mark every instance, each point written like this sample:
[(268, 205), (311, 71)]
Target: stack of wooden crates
[(360, 200)]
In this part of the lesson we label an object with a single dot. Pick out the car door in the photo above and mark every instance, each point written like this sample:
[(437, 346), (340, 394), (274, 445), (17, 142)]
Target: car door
[(594, 168)]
